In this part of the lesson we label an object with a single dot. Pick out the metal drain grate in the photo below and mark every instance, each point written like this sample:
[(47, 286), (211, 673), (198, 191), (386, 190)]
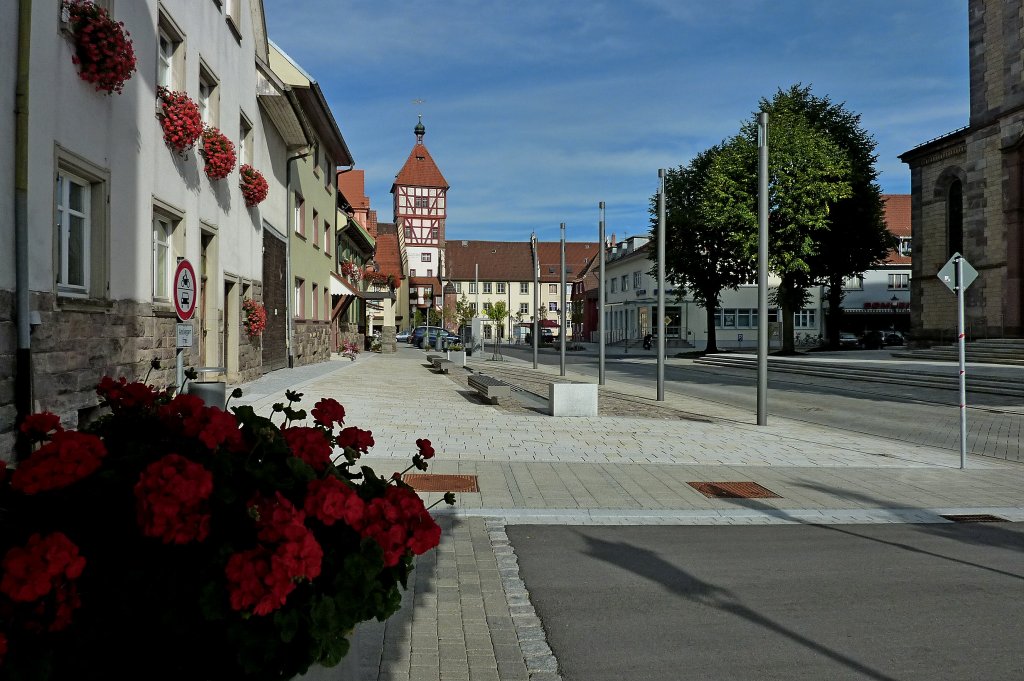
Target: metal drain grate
[(979, 518), (733, 490), (436, 482)]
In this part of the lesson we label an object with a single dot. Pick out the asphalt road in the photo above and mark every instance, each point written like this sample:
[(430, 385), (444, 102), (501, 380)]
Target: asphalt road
[(923, 416), (793, 602)]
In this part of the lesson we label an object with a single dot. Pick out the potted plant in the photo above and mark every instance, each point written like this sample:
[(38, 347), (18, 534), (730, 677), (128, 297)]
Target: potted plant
[(218, 153), (104, 52), (254, 186), (180, 120), (195, 543)]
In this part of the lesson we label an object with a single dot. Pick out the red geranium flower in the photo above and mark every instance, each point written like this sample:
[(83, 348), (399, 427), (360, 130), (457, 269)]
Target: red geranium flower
[(309, 444), (254, 185), (218, 153), (330, 500), (171, 500), (66, 459), (40, 426), (327, 412), (103, 48), (426, 450), (44, 565), (357, 439)]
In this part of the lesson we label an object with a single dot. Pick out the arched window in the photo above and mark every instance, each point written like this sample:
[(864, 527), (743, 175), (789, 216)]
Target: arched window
[(955, 218)]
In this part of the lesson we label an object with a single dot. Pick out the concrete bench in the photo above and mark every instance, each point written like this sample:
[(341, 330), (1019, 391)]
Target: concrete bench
[(490, 388), (431, 358), (572, 399), (442, 365)]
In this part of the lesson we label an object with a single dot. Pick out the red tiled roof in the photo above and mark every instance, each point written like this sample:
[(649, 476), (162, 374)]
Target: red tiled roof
[(388, 256), (425, 281), (351, 184), (371, 223), (897, 219), (420, 170), (513, 260)]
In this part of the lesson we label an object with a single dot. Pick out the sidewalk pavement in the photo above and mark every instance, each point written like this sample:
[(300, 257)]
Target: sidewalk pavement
[(467, 614)]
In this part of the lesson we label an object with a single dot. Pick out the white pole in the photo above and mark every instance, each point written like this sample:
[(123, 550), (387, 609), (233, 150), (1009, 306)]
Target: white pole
[(663, 328), (561, 305), (536, 296), (963, 359), (600, 298)]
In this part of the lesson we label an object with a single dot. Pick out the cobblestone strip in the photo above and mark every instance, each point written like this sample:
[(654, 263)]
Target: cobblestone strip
[(540, 661)]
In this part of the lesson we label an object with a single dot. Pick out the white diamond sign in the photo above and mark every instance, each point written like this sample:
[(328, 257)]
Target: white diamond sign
[(947, 275)]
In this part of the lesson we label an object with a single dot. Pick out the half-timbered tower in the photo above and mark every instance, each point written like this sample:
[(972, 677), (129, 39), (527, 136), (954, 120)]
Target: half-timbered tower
[(420, 211)]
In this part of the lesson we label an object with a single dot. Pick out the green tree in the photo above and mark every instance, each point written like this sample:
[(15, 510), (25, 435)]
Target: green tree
[(856, 238), (497, 313), (703, 255), (464, 311), (807, 174)]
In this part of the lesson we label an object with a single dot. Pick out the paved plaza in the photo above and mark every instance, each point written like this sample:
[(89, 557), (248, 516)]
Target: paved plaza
[(467, 614)]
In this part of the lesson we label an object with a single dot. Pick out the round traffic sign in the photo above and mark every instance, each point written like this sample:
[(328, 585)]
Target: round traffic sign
[(185, 291)]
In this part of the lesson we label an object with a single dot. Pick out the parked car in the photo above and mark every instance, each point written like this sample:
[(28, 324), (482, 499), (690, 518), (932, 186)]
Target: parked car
[(847, 340), (894, 338), (546, 336), (872, 340), (419, 332), (403, 336), (447, 339)]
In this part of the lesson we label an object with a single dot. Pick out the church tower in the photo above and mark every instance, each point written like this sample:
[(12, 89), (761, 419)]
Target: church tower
[(420, 210)]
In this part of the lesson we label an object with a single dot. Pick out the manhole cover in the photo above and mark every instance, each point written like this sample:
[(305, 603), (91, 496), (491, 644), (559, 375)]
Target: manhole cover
[(733, 490), (436, 482), (979, 518)]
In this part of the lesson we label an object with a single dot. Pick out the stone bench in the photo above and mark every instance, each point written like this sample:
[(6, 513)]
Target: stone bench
[(572, 399), (442, 365), (431, 358), (490, 388)]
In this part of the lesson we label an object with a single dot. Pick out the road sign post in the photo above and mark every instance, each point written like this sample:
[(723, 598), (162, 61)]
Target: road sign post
[(957, 274), (185, 298)]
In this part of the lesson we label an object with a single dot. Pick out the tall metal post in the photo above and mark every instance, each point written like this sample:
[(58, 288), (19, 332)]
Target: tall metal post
[(600, 297), (762, 269), (663, 330), (561, 306), (536, 297), (963, 358)]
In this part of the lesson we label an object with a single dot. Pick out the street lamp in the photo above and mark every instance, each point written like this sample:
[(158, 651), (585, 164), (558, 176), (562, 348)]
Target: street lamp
[(894, 302)]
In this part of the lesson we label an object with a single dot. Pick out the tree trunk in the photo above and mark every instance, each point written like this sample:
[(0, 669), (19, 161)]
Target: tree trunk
[(712, 345), (835, 311)]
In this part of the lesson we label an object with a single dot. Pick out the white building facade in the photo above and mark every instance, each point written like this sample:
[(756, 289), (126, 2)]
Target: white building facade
[(110, 209)]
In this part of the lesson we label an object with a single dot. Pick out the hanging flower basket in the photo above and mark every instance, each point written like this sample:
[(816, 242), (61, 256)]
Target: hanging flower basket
[(351, 270), (254, 186), (218, 152), (196, 543), (180, 120), (104, 52), (255, 320)]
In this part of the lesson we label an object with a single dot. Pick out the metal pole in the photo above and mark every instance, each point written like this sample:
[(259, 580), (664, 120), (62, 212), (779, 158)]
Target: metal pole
[(663, 330), (536, 297), (561, 306), (600, 298), (762, 269), (963, 359), (476, 313)]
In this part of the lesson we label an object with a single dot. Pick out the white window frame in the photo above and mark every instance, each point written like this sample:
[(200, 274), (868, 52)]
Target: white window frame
[(163, 247), (500, 287), (472, 287), (64, 213), (165, 49), (636, 280), (524, 288), (524, 308), (300, 298), (487, 287), (805, 318), (244, 139), (553, 289), (899, 281), (424, 257)]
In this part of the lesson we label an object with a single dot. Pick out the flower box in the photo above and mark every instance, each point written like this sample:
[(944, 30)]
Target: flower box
[(179, 119)]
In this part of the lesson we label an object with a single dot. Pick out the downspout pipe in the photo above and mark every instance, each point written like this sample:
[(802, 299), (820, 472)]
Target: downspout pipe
[(23, 399), (289, 283)]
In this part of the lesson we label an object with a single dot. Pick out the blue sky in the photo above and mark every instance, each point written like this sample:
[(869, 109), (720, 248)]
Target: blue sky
[(537, 110)]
